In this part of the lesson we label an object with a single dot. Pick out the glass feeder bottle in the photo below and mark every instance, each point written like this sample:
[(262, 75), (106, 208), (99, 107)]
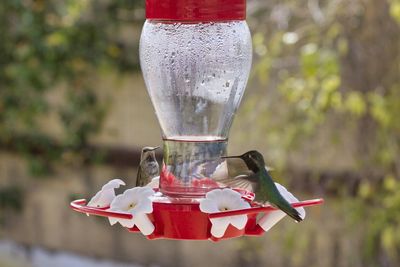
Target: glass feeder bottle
[(195, 57)]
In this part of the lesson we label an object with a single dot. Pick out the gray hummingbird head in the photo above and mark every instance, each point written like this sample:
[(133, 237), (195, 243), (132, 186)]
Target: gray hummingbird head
[(253, 159), (149, 148), (148, 151)]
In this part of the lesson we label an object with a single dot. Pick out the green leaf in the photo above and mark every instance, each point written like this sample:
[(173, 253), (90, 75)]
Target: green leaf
[(355, 103)]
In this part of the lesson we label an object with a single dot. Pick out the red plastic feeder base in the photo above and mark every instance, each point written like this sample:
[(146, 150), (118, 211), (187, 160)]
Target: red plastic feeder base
[(185, 221)]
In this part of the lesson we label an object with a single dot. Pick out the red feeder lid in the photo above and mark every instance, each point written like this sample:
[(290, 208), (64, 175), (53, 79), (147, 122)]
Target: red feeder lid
[(196, 10)]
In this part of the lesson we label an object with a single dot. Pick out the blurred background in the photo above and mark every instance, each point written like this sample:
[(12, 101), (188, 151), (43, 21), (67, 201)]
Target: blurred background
[(322, 105)]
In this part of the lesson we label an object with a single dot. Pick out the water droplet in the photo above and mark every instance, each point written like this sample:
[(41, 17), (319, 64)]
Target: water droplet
[(187, 78)]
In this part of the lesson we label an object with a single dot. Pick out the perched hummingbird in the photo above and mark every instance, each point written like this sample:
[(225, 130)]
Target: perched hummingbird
[(261, 182), (148, 167)]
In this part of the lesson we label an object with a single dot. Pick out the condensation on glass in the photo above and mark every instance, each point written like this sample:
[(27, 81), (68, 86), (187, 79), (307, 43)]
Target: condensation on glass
[(195, 74)]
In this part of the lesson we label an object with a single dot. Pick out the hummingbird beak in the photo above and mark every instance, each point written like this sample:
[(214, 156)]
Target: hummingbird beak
[(230, 157)]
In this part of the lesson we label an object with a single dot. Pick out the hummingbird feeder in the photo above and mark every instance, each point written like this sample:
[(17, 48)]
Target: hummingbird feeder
[(195, 57)]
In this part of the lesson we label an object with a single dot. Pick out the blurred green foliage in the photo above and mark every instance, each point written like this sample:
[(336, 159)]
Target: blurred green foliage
[(327, 63), (61, 46), (48, 45)]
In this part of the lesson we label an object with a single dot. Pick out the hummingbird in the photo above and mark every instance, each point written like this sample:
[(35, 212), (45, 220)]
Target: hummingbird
[(261, 182), (148, 167)]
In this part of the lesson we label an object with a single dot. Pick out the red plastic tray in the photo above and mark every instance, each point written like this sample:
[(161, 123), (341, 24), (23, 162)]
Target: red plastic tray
[(186, 221)]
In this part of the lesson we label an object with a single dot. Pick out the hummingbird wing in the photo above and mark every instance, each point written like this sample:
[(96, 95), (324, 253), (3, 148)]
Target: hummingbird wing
[(268, 168), (229, 168), (230, 172), (235, 174), (240, 181), (247, 181), (139, 177)]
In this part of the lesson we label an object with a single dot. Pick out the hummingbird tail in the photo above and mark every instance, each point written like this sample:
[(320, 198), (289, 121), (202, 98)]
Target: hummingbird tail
[(292, 212)]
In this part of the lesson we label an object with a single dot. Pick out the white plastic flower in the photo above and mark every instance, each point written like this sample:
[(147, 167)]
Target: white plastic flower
[(223, 200), (273, 217), (135, 201), (105, 196), (154, 183)]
